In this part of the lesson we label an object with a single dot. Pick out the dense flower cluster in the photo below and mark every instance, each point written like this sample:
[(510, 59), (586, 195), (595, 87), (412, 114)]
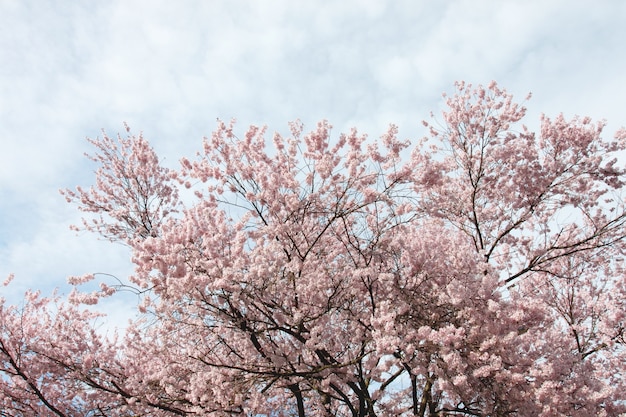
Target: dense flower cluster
[(475, 272)]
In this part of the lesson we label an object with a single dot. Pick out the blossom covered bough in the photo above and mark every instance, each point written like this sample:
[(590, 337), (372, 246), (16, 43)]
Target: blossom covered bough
[(475, 272)]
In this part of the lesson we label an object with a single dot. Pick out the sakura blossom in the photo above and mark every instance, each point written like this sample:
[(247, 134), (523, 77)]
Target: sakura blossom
[(477, 271)]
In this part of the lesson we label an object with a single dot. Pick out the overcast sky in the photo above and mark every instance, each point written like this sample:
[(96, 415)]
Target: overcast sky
[(169, 68)]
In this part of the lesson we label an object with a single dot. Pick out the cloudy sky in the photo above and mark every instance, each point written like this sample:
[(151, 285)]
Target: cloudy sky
[(169, 68)]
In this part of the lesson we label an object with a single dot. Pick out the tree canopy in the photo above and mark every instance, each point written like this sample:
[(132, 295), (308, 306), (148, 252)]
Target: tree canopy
[(474, 272)]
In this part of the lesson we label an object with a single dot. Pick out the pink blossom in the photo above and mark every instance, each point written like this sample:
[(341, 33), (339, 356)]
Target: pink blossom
[(476, 271)]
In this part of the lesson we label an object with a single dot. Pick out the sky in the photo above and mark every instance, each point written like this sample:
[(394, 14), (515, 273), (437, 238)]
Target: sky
[(69, 69)]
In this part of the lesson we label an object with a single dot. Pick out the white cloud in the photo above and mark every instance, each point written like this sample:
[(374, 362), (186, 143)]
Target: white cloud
[(170, 68)]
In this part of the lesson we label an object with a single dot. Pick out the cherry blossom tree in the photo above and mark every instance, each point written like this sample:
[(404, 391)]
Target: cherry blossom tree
[(477, 271)]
